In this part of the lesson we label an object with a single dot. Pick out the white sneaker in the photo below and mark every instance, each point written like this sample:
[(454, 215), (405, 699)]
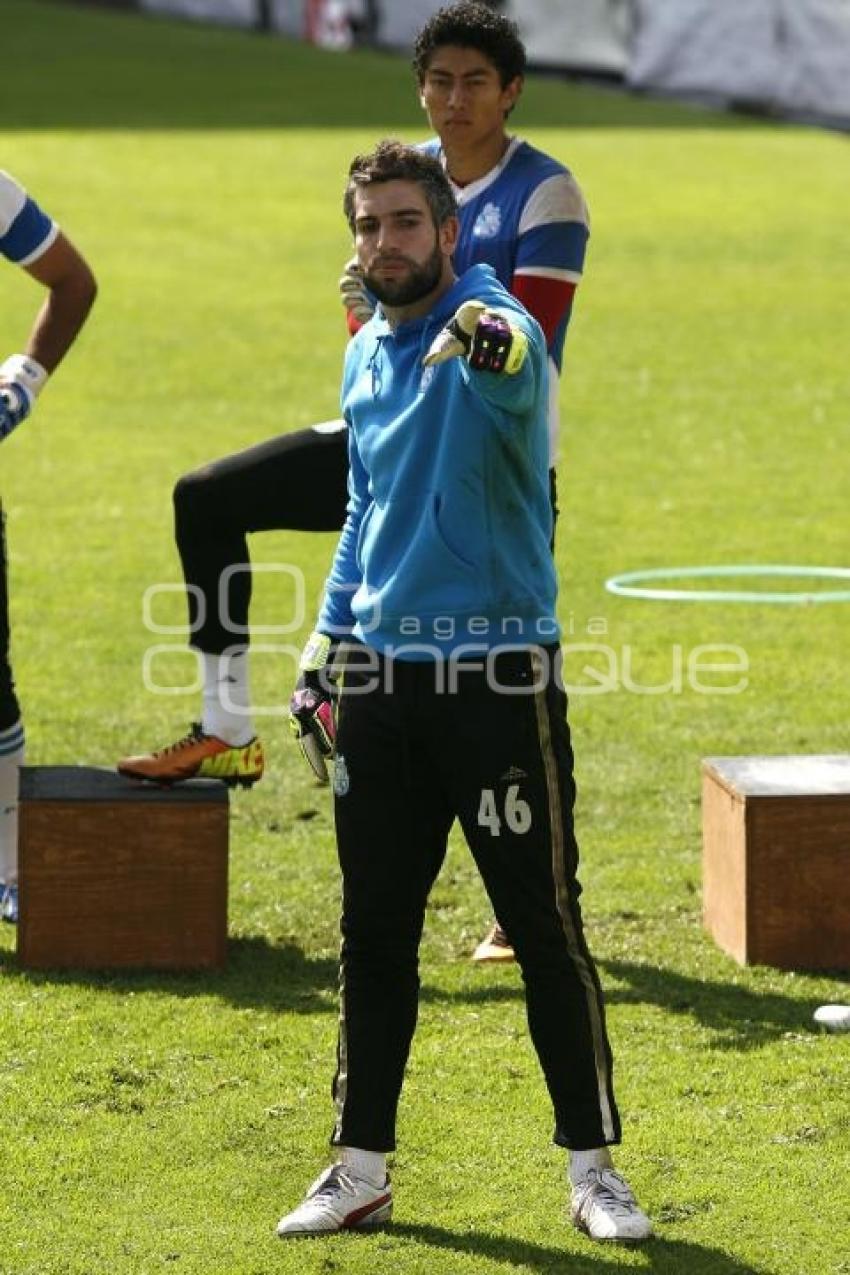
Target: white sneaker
[(495, 946), (338, 1201), (833, 1018), (603, 1206)]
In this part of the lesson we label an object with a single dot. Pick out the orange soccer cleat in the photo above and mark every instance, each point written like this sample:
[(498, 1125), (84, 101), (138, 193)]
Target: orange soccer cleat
[(198, 756)]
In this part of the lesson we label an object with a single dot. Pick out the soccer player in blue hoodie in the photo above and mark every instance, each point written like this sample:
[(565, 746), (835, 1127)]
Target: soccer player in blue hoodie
[(522, 212), (441, 606)]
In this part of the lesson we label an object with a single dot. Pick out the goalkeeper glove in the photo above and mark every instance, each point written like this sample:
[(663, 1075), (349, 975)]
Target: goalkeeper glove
[(485, 338), (21, 378), (355, 295), (15, 404), (311, 709)]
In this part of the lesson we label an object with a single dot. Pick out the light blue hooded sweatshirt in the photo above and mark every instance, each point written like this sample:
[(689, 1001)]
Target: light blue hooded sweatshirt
[(446, 542)]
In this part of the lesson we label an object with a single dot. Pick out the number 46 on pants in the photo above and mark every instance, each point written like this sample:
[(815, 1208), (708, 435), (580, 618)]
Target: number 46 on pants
[(516, 813)]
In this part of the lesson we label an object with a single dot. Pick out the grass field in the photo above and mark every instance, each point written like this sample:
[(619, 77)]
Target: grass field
[(163, 1123)]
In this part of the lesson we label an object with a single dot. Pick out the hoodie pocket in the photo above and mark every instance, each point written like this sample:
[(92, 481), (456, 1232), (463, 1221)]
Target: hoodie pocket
[(440, 534), (362, 532)]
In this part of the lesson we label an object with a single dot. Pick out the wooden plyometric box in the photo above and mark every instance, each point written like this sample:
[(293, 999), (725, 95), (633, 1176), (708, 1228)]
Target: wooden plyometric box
[(119, 874), (776, 859)]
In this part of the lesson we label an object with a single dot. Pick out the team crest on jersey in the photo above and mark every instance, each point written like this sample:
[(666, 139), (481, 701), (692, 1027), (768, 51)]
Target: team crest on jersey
[(488, 223), (341, 780)]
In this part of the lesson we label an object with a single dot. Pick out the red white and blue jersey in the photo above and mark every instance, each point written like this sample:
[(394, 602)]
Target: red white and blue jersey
[(25, 231), (527, 218)]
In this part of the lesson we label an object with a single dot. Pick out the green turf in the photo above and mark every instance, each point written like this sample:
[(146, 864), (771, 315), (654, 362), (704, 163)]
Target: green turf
[(162, 1123)]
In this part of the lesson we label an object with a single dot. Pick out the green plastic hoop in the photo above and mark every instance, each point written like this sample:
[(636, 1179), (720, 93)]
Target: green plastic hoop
[(632, 584)]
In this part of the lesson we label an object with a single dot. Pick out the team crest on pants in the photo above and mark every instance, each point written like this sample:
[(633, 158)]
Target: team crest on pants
[(341, 781)]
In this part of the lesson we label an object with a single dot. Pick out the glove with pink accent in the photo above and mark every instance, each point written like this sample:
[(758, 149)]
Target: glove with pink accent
[(485, 338), (311, 707)]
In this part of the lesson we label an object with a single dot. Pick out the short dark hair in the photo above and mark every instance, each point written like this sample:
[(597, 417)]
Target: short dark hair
[(393, 161), (472, 25)]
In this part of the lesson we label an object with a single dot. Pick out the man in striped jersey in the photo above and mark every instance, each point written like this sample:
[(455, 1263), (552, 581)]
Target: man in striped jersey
[(29, 238), (521, 212)]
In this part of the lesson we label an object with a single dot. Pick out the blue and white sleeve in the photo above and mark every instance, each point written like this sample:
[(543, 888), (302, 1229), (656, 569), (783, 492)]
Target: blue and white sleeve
[(26, 232)]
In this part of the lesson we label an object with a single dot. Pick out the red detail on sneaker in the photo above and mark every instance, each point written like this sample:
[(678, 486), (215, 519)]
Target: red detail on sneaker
[(357, 1215)]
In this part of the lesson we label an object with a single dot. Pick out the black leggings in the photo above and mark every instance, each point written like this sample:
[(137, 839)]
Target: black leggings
[(9, 708), (295, 482)]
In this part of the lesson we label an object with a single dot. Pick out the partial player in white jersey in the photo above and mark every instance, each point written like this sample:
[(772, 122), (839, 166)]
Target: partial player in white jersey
[(31, 239)]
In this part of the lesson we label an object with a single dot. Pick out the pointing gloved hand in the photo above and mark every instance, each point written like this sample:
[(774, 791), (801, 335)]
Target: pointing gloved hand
[(485, 338)]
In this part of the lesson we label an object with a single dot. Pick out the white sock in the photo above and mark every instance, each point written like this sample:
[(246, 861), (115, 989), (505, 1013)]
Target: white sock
[(11, 760), (370, 1165), (227, 698), (582, 1161)]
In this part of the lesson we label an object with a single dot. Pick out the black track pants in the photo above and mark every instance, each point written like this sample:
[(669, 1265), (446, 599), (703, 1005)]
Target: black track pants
[(409, 762), (296, 482)]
